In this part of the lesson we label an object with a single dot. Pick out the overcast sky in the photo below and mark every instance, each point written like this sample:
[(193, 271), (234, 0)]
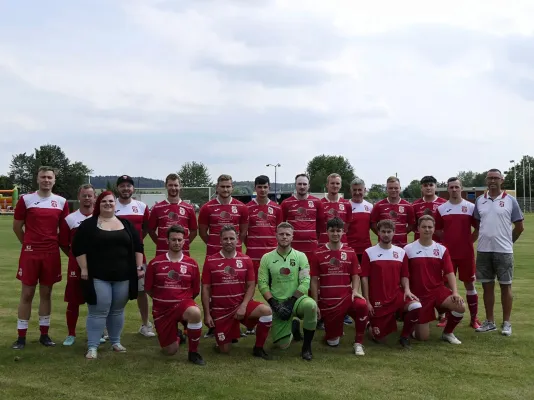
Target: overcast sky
[(141, 86)]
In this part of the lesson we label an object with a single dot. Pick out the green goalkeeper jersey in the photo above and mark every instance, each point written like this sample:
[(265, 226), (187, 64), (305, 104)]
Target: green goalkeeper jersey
[(283, 275)]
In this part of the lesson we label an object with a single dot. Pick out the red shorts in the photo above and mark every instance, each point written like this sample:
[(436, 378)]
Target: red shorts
[(466, 269), (385, 322), (39, 267), (431, 301), (227, 328), (166, 322), (333, 318)]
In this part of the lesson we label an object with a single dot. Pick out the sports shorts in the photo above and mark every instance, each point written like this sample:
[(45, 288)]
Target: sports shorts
[(333, 317), (166, 322), (42, 268), (384, 322), (465, 268), (227, 328), (431, 301), (491, 265)]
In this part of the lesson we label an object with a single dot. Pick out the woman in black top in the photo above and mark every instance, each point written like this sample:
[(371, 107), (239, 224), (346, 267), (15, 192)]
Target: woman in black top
[(110, 256)]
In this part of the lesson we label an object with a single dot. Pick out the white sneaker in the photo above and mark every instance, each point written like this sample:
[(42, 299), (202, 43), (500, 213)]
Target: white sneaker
[(358, 349), (487, 326), (91, 353), (147, 330), (105, 335), (449, 337), (506, 329), (118, 348)]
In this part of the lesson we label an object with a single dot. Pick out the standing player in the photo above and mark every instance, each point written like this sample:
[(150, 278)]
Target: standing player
[(429, 203), (284, 281), (137, 213), (172, 211), (220, 211), (36, 222), (396, 209), (458, 231), (358, 231), (335, 272), (429, 262), (228, 285), (334, 206), (386, 287), (305, 213), (73, 291), (173, 281)]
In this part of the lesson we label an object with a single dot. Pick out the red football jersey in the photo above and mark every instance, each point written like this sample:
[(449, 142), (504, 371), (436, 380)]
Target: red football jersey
[(136, 212), (164, 214), (215, 215), (262, 223), (171, 282), (456, 221), (335, 269), (384, 269), (422, 207), (358, 234), (42, 218), (306, 216), (401, 213), (427, 265), (67, 230), (228, 278), (341, 209)]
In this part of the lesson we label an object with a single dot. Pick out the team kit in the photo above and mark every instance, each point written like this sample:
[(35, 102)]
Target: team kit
[(312, 260)]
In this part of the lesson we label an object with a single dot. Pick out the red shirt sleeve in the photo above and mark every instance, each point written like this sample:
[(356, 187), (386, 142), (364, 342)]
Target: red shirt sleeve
[(446, 263), (153, 219), (283, 206), (475, 223), (355, 268), (410, 215), (314, 265), (149, 276), (279, 216), (349, 214), (251, 275), (20, 210), (375, 213), (193, 225), (146, 216), (64, 233), (405, 268), (321, 223), (439, 221), (243, 219), (204, 217), (366, 264), (206, 274), (195, 282)]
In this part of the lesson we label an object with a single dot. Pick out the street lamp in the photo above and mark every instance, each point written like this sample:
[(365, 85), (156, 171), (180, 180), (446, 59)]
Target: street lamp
[(529, 189), (524, 185), (275, 167), (515, 177)]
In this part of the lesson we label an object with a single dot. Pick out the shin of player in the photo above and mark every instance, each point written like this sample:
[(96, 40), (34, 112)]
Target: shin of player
[(73, 291), (228, 285), (37, 219), (335, 285), (284, 280), (173, 281), (429, 262), (386, 287)]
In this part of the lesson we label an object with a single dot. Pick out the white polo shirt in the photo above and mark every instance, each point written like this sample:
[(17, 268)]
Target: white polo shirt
[(496, 217)]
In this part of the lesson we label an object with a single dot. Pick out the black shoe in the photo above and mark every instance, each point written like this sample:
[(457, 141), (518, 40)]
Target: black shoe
[(307, 354), (210, 333), (182, 337), (320, 325), (405, 343), (235, 341), (46, 341), (19, 344), (196, 359), (260, 353), (295, 330)]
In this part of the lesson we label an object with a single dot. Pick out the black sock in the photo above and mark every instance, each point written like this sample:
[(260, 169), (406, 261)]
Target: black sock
[(308, 337)]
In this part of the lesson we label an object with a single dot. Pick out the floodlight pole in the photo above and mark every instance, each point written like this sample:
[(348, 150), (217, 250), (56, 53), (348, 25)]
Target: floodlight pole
[(277, 165), (515, 176)]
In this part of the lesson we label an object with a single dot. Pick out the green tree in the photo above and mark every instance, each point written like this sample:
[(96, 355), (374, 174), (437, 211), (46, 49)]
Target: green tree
[(321, 166), (376, 192), (24, 168), (413, 190), (526, 163), (5, 182), (195, 174), (112, 187)]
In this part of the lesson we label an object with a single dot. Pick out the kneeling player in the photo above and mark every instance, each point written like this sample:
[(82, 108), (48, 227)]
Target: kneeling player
[(283, 280), (429, 262), (228, 285), (386, 287), (173, 281), (335, 283)]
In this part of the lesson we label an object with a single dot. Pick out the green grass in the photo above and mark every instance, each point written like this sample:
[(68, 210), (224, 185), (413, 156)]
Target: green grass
[(484, 365)]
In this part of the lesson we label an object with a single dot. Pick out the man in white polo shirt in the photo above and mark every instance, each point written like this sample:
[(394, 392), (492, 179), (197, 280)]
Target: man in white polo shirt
[(497, 211)]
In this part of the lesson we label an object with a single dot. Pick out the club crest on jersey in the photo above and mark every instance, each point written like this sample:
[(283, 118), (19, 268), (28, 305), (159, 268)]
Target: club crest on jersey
[(183, 269), (270, 210), (239, 264), (435, 207), (310, 203), (234, 209), (395, 254), (53, 203), (401, 209), (228, 270), (366, 208), (135, 209), (341, 207), (501, 203), (343, 256), (436, 252), (464, 209), (292, 262), (182, 211), (285, 271)]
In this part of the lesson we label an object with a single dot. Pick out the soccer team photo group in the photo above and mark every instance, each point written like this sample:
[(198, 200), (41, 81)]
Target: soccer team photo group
[(275, 275)]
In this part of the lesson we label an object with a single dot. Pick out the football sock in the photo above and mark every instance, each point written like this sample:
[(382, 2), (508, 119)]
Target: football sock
[(472, 303), (193, 333), (262, 330), (44, 324), (73, 311), (360, 317), (453, 319), (22, 327)]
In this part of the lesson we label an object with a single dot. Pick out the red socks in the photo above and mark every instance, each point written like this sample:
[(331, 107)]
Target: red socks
[(22, 327), (73, 311), (472, 303), (360, 314), (193, 334), (262, 330), (44, 324), (411, 318), (453, 319)]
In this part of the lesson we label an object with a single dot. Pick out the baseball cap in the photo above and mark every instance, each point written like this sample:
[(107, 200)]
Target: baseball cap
[(125, 178), (428, 179)]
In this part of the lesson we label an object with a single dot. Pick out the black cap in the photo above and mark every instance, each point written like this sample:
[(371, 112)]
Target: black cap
[(428, 179), (125, 178)]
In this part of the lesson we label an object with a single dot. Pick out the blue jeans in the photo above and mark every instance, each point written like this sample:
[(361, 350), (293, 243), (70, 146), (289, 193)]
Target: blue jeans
[(111, 298)]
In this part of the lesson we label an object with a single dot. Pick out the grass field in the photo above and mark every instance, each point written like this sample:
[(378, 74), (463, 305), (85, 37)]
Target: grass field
[(484, 366)]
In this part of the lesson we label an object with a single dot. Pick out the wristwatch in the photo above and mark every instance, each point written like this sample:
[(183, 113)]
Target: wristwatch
[(141, 267)]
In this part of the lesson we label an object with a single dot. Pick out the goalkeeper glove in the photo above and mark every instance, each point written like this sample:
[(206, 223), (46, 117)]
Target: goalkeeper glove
[(275, 305), (286, 308)]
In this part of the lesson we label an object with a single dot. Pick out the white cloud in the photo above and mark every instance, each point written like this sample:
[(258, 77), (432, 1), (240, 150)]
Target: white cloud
[(408, 87)]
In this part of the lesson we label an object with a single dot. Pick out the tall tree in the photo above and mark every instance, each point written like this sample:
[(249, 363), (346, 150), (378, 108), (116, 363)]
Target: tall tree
[(377, 192), (195, 174), (523, 165), (413, 190), (472, 179), (321, 166), (21, 172), (6, 183)]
